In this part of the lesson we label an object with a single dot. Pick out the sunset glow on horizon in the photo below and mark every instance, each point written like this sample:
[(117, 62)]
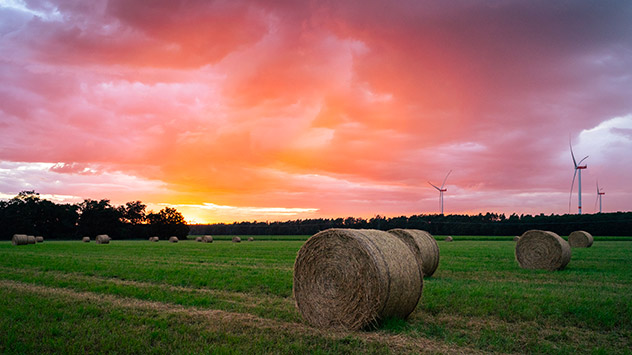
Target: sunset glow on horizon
[(253, 110)]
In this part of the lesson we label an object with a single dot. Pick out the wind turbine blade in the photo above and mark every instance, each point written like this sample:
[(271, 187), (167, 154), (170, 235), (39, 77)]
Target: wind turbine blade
[(571, 194), (572, 155), (597, 187), (580, 162), (434, 186), (446, 178)]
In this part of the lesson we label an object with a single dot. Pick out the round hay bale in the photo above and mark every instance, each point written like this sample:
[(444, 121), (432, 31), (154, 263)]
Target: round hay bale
[(449, 239), (207, 239), (173, 239), (154, 239), (86, 239), (198, 239), (423, 244), (353, 278), (39, 239), (516, 238), (251, 239), (31, 239), (236, 240), (542, 250), (20, 239), (102, 239), (580, 239)]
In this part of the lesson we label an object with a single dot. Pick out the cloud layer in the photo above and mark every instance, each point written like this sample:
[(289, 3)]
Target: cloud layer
[(317, 108)]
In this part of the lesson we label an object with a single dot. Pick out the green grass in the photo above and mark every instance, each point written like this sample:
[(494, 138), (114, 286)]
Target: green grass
[(155, 295)]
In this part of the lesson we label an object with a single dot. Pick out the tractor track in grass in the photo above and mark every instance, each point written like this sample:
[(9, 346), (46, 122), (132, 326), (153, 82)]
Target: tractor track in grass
[(215, 319)]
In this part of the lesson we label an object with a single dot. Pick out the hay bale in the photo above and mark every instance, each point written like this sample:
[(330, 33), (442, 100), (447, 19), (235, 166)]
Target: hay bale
[(207, 239), (86, 239), (423, 244), (236, 240), (251, 239), (173, 239), (198, 239), (353, 278), (20, 239), (516, 238), (39, 239), (154, 239), (542, 250), (580, 239), (102, 239), (449, 239)]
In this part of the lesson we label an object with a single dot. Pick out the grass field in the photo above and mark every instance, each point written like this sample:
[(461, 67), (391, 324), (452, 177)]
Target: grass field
[(142, 297)]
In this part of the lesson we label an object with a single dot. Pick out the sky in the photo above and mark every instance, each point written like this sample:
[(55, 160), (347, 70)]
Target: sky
[(277, 110)]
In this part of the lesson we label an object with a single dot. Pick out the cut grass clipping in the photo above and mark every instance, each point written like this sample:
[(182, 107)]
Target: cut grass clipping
[(102, 239), (173, 239), (542, 250), (423, 244), (354, 278), (580, 239)]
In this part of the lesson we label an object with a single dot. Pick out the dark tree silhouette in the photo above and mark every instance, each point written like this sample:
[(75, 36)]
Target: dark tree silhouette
[(168, 222)]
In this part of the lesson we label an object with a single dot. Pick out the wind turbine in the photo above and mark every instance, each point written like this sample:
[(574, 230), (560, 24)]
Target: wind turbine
[(578, 167), (599, 194), (441, 190)]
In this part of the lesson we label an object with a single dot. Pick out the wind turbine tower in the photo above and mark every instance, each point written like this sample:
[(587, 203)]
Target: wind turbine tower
[(578, 167), (441, 190), (599, 194)]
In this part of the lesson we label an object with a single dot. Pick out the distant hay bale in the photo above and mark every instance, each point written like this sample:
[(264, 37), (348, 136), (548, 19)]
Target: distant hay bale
[(86, 239), (422, 243), (251, 239), (39, 239), (154, 239), (542, 250), (20, 239), (198, 239), (31, 239), (102, 239), (516, 238), (173, 239), (354, 278), (236, 240), (207, 239), (580, 239), (449, 239)]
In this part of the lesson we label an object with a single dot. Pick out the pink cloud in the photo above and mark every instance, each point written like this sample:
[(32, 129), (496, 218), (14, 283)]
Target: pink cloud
[(344, 108)]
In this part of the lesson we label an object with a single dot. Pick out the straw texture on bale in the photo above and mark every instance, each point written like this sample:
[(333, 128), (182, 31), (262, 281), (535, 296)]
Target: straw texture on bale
[(423, 244), (580, 239), (353, 278), (31, 239), (207, 239), (516, 238), (198, 239), (86, 239), (251, 239), (542, 250), (236, 240), (102, 239), (39, 239), (449, 239), (20, 239), (173, 239)]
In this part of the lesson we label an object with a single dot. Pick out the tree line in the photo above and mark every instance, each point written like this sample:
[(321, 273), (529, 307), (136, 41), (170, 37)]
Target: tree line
[(489, 224), (27, 213)]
